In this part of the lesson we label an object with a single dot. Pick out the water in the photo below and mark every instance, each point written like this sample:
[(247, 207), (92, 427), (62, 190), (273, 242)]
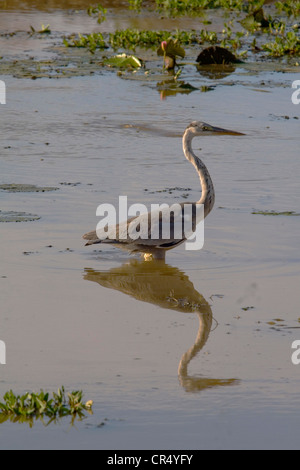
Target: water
[(192, 355)]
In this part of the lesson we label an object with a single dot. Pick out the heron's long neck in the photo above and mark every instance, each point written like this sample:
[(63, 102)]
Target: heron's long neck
[(208, 193)]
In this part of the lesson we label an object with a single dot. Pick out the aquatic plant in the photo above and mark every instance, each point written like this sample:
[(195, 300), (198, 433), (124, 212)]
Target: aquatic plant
[(178, 7), (30, 406), (216, 55), (45, 29), (132, 38), (26, 188), (231, 39), (123, 61), (283, 45), (258, 20), (290, 7), (12, 216), (287, 213), (98, 11), (196, 7), (170, 50), (91, 41), (237, 41)]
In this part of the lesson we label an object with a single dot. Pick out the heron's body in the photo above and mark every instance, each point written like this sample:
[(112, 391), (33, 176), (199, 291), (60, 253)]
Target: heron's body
[(157, 246)]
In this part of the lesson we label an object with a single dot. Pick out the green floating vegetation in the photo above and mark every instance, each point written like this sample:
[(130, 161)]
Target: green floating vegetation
[(123, 61), (175, 7), (169, 190), (277, 37), (257, 20), (287, 213), (11, 216), (25, 188), (290, 7), (91, 41), (45, 29), (133, 38), (196, 7), (283, 45), (147, 38), (130, 39), (36, 406), (97, 11)]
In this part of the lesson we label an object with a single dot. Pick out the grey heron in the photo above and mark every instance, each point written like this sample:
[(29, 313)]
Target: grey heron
[(156, 247)]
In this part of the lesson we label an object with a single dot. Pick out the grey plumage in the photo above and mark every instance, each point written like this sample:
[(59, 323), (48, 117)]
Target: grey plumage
[(156, 247)]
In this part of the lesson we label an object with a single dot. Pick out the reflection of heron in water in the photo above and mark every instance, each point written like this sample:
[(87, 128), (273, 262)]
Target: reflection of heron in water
[(169, 288), (157, 247)]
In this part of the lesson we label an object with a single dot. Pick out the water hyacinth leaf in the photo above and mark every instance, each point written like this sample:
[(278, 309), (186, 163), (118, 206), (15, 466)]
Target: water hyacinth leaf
[(32, 406), (123, 61), (255, 20), (99, 12)]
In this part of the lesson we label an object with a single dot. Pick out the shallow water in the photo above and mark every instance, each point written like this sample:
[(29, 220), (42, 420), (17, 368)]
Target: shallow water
[(195, 354)]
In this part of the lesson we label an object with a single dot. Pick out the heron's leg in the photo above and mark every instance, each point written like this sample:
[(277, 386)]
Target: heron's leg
[(157, 254)]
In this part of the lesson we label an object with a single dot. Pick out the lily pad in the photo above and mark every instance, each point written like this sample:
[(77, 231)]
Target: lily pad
[(11, 216), (216, 55), (25, 188), (123, 61)]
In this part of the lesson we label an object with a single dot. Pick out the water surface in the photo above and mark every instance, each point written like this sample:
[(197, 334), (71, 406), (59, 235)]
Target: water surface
[(194, 354)]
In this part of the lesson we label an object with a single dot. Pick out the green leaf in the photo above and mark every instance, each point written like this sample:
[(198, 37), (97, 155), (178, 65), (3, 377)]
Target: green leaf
[(172, 49), (123, 61)]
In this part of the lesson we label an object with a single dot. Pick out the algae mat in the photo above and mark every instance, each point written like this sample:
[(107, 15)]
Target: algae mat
[(10, 216), (25, 188)]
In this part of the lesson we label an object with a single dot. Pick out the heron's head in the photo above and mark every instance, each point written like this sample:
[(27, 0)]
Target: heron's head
[(202, 128)]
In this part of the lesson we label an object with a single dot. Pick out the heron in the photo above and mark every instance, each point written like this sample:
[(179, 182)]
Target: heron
[(156, 248)]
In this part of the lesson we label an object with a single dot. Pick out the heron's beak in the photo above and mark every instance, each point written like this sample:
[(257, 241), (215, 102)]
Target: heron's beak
[(221, 131)]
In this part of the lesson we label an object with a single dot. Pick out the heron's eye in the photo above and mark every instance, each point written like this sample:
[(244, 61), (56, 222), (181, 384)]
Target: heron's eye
[(205, 128)]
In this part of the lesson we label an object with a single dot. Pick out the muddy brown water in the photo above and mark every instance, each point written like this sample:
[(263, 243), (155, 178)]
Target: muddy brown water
[(194, 354)]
